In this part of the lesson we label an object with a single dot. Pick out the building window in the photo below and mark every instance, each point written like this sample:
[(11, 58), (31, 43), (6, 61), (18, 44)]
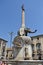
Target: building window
[(3, 50), (32, 47), (37, 38), (38, 46), (32, 39), (33, 50)]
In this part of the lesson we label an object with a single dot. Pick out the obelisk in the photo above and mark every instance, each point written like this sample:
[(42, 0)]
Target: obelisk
[(23, 17)]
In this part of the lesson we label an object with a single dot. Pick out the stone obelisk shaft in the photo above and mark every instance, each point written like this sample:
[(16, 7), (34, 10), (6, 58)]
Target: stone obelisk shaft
[(23, 17)]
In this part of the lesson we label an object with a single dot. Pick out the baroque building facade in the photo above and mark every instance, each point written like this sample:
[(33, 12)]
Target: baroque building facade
[(2, 48), (37, 47)]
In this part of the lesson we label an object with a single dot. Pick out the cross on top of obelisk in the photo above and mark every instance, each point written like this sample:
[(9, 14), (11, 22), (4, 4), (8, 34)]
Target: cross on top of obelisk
[(23, 7)]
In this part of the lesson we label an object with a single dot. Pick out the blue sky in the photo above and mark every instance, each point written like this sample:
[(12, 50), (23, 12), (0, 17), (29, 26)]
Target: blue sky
[(10, 17)]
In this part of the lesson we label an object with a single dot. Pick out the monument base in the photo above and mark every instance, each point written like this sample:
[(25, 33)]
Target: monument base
[(24, 62)]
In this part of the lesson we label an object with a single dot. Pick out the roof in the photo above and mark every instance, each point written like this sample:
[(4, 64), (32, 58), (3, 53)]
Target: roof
[(3, 40), (37, 36)]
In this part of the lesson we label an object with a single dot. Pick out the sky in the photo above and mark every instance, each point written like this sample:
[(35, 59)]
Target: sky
[(10, 17)]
